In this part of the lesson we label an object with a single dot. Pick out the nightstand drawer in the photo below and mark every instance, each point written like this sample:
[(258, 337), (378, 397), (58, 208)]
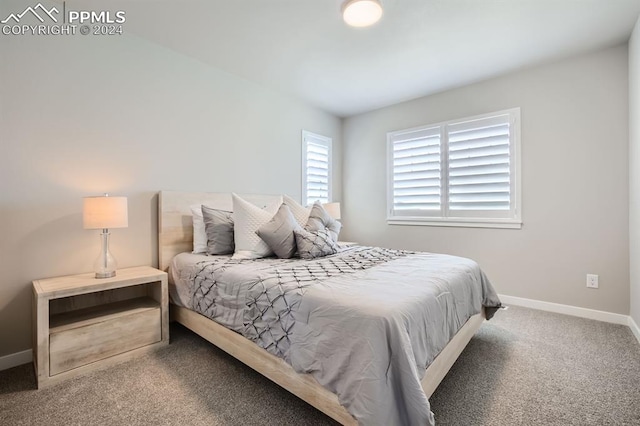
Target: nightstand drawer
[(104, 334)]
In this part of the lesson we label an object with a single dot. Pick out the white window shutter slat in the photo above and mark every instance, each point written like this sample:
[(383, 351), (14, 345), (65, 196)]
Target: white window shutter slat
[(416, 172), (316, 168), (479, 173)]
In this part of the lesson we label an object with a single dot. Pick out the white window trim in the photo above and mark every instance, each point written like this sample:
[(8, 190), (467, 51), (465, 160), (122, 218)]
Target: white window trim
[(306, 135), (514, 222)]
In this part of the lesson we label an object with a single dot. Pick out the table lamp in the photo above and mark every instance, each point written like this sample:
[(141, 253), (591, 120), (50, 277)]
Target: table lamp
[(333, 209), (103, 213)]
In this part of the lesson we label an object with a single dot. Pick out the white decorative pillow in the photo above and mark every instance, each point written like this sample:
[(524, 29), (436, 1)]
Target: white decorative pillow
[(199, 231), (301, 213), (247, 219)]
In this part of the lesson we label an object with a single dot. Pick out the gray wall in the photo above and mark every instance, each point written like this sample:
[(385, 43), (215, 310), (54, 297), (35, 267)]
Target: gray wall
[(80, 116), (634, 170), (574, 181)]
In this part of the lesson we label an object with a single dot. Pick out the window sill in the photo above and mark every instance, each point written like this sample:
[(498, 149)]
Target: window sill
[(456, 222)]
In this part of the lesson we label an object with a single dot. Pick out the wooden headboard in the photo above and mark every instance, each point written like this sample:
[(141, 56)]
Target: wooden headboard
[(175, 227)]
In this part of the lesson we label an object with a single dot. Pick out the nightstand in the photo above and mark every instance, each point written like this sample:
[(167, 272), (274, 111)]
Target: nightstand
[(83, 324)]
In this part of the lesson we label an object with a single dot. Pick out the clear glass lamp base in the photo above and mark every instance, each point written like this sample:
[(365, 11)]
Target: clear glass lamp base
[(105, 265), (105, 274)]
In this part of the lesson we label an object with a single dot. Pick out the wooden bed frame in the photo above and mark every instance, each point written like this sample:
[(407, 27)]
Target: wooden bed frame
[(176, 236)]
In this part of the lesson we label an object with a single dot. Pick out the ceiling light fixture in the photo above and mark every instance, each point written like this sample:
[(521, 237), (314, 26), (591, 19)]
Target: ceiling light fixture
[(361, 13)]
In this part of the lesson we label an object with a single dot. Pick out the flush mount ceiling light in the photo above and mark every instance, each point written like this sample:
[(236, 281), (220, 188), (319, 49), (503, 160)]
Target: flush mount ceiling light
[(361, 13)]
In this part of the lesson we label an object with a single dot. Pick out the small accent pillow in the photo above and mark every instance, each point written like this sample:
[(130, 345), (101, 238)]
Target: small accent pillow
[(278, 233), (199, 232), (218, 225), (301, 213), (312, 244), (320, 219), (247, 219)]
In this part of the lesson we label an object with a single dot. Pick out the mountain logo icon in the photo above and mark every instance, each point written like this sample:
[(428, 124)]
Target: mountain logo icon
[(34, 11)]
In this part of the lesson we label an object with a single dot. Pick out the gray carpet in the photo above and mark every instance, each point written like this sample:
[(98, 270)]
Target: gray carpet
[(524, 367)]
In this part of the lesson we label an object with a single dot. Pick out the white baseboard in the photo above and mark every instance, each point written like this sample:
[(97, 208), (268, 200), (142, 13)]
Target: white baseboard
[(566, 309), (16, 359), (634, 328)]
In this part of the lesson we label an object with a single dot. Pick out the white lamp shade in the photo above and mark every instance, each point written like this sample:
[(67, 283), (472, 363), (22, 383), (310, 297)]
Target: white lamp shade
[(105, 212), (333, 209), (361, 13)]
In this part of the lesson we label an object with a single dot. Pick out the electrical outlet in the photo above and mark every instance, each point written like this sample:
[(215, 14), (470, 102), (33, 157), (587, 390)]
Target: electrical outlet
[(592, 281)]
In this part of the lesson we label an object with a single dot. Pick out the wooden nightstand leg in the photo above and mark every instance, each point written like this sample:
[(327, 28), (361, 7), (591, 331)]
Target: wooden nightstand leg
[(42, 340), (165, 310), (160, 293), (34, 332)]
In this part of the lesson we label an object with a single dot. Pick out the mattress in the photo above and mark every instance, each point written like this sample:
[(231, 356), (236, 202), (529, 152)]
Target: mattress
[(365, 322)]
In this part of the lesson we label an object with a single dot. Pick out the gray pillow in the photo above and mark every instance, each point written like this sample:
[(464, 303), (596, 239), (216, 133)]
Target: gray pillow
[(218, 225), (278, 233), (312, 244), (319, 219)]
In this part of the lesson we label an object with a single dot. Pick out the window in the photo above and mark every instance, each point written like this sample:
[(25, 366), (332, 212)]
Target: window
[(316, 168), (457, 173)]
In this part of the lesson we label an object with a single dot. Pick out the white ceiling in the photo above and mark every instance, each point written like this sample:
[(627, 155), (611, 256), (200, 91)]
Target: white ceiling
[(302, 47)]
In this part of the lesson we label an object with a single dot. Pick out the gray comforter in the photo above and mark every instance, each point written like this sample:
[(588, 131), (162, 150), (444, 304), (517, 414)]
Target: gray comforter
[(365, 322)]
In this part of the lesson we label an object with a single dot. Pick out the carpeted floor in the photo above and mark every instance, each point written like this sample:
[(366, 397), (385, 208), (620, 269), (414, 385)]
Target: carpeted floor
[(524, 367)]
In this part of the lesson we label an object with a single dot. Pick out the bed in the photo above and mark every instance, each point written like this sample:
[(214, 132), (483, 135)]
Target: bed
[(175, 240)]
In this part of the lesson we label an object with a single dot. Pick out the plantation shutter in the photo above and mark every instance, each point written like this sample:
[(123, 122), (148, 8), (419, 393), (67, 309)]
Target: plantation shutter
[(317, 168), (416, 172), (479, 166), (461, 172)]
